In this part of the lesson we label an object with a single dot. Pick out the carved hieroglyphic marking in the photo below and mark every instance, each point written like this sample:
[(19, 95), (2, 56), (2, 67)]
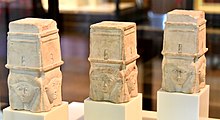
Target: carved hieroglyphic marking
[(106, 54), (22, 60), (51, 57), (179, 48)]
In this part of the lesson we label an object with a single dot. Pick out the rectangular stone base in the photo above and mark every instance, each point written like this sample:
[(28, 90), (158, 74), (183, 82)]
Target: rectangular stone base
[(57, 113), (95, 110), (180, 106)]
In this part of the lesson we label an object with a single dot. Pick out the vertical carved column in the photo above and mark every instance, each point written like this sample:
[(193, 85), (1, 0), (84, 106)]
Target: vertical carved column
[(113, 54), (184, 48), (34, 60)]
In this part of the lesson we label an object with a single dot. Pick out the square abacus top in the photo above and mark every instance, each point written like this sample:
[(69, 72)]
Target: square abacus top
[(32, 25), (185, 33), (33, 44), (188, 16), (113, 42)]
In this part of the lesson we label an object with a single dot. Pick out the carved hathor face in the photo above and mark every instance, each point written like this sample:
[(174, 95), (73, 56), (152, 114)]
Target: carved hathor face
[(178, 74), (25, 91), (103, 80), (52, 88)]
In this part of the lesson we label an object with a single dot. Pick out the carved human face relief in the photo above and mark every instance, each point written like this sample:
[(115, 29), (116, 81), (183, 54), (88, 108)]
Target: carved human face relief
[(103, 81), (52, 88), (131, 82), (25, 91), (177, 74), (131, 79)]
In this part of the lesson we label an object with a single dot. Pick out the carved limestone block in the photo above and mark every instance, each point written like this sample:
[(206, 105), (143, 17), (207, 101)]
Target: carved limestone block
[(113, 54), (184, 48), (185, 33), (34, 60)]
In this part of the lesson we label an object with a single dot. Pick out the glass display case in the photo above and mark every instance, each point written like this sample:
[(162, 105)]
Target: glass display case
[(209, 6)]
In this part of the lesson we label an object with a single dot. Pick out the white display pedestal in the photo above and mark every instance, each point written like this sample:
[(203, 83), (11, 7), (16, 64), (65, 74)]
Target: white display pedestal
[(56, 113), (76, 111), (0, 115), (131, 110), (180, 106)]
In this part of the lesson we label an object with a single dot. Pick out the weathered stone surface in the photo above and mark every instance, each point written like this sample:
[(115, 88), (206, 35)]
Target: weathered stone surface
[(184, 46), (113, 54), (34, 60), (182, 74), (185, 33)]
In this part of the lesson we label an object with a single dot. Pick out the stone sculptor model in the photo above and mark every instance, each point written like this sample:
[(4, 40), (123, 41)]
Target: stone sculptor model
[(113, 54), (184, 46), (34, 60)]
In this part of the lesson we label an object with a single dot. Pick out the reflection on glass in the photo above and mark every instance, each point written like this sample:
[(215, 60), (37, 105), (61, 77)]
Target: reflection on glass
[(212, 1)]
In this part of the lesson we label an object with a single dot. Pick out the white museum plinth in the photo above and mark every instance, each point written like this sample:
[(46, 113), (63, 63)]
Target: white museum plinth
[(56, 113), (0, 115), (180, 106), (95, 110)]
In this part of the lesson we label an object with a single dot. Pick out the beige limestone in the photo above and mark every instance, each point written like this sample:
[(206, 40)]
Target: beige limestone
[(113, 54), (184, 46), (185, 33), (34, 60), (182, 74)]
